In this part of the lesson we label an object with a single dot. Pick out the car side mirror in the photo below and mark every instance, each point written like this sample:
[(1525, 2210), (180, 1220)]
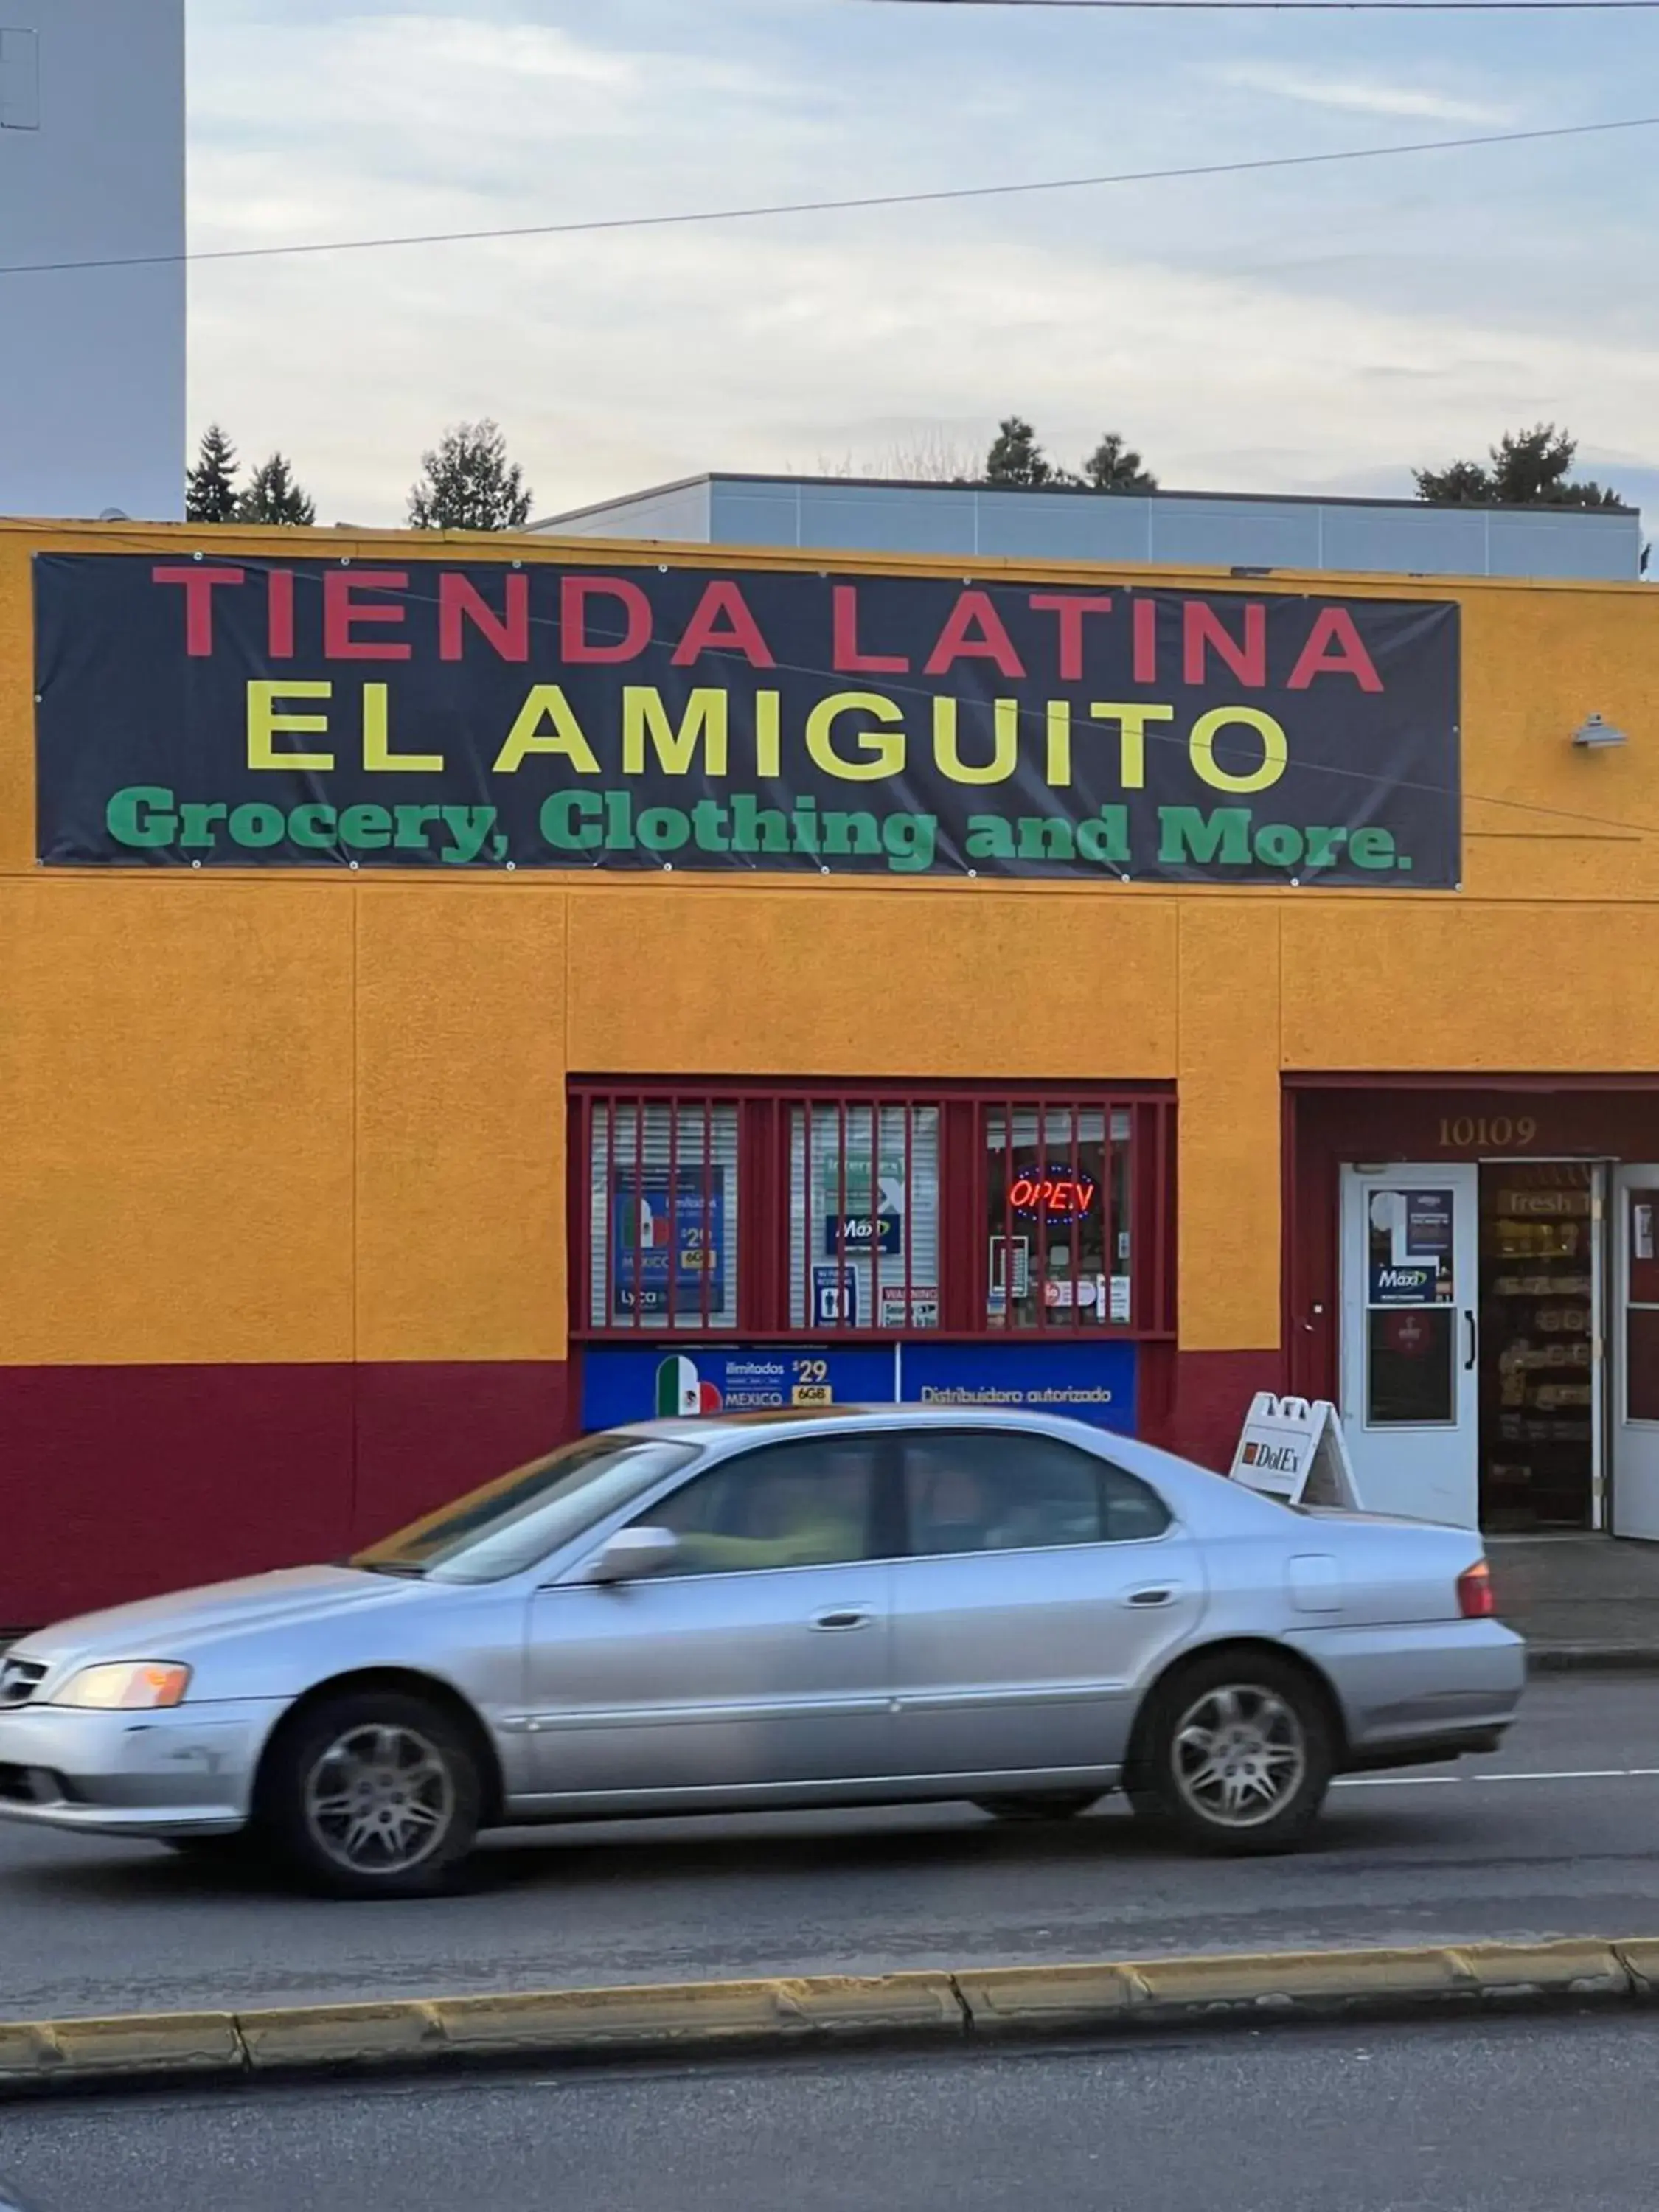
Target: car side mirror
[(631, 1554)]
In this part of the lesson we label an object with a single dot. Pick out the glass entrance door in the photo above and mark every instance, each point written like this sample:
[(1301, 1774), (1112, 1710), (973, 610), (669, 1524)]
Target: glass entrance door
[(1636, 1349), (1411, 1398)]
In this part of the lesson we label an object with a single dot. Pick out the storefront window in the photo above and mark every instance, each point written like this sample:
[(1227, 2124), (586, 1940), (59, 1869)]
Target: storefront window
[(663, 1214), (870, 1212), (864, 1216), (1057, 1219)]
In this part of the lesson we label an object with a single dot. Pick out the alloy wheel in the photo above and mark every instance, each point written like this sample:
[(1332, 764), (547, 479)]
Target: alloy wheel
[(1240, 1755), (379, 1800)]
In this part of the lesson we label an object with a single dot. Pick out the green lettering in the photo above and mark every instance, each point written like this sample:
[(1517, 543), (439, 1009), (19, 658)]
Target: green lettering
[(368, 829), (1107, 839), (758, 829), (258, 825), (1186, 833), (198, 821), (851, 833), (317, 829), (412, 823), (561, 814), (1046, 837), (709, 826), (663, 829), (1325, 845), (469, 828), (910, 841), (989, 838), (1374, 849), (1281, 844), (140, 817)]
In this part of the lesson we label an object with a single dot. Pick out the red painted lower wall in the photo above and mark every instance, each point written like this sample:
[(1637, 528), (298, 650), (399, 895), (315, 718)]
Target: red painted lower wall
[(1194, 1402), (118, 1482)]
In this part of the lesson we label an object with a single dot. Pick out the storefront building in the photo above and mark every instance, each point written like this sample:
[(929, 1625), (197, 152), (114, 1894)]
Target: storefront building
[(456, 993)]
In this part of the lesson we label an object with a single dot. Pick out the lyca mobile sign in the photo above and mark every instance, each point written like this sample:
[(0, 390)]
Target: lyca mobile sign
[(219, 712)]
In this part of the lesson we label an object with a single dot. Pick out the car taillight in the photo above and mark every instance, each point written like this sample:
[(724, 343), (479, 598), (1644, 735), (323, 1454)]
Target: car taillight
[(1475, 1600)]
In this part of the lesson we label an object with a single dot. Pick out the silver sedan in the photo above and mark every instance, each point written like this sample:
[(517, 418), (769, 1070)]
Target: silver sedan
[(841, 1608)]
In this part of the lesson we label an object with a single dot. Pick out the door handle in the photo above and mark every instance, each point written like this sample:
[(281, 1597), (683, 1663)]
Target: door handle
[(1469, 1320), (850, 1617), (1155, 1594)]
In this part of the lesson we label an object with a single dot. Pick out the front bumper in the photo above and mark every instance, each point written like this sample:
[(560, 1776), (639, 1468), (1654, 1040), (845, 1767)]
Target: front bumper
[(188, 1771)]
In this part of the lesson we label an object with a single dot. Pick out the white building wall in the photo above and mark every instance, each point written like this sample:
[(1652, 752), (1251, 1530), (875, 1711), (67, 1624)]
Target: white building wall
[(91, 165)]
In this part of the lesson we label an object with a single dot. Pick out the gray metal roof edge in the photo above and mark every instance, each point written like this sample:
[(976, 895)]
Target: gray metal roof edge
[(712, 476)]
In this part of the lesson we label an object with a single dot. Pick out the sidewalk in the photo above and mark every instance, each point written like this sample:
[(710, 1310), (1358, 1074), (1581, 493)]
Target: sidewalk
[(1579, 1600)]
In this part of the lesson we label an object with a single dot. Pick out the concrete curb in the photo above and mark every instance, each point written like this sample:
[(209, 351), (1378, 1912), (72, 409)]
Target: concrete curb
[(679, 2019)]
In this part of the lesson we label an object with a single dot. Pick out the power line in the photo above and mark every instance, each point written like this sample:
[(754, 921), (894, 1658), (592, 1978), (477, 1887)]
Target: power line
[(1305, 7), (867, 200)]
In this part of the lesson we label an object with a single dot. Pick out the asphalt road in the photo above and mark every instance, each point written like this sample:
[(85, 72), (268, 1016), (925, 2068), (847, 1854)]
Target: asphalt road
[(1558, 1834), (1501, 2115)]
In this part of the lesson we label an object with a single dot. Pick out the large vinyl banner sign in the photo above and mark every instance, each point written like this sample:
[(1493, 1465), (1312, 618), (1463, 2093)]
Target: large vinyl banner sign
[(206, 712)]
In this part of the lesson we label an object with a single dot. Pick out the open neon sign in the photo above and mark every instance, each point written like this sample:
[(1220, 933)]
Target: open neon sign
[(1061, 1194)]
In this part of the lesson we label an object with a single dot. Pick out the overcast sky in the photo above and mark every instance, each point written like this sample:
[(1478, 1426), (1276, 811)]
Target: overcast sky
[(1304, 331)]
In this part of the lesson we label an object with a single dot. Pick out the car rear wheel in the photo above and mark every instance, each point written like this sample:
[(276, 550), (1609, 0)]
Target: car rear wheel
[(1237, 1755), (373, 1795), (1064, 1806)]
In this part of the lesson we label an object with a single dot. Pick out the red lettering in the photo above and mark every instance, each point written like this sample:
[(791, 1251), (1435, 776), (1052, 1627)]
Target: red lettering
[(1024, 1192), (1202, 630), (1334, 649), (1070, 607), (723, 623), (847, 657), (199, 584), (1145, 641), (575, 592), (343, 612), (279, 619), (973, 631), (460, 602)]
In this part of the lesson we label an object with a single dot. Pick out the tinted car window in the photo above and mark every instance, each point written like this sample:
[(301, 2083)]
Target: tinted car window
[(972, 1490), (803, 1505), (512, 1523)]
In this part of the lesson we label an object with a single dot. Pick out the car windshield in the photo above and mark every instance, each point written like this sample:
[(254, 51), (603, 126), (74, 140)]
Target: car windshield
[(510, 1523)]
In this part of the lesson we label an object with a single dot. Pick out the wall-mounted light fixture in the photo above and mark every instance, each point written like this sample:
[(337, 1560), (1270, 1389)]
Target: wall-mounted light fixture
[(1595, 732)]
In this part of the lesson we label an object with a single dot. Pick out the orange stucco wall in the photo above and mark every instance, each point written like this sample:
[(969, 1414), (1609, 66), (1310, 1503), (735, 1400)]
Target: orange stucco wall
[(296, 1119)]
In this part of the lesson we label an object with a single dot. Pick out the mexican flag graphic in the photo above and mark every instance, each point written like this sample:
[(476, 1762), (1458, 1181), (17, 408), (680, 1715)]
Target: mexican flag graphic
[(681, 1390)]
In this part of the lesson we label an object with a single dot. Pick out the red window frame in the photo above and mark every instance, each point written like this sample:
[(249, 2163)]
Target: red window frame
[(966, 1114)]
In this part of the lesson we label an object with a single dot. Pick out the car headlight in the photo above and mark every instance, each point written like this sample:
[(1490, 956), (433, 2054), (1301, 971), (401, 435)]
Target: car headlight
[(131, 1686)]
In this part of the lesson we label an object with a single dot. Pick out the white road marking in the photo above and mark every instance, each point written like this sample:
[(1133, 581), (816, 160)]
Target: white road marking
[(1563, 1774)]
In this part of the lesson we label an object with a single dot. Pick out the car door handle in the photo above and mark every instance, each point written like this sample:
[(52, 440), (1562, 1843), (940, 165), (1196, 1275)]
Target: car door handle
[(850, 1617), (1154, 1594)]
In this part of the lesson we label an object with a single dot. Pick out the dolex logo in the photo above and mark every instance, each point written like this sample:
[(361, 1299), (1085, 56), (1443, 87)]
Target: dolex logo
[(1277, 1459)]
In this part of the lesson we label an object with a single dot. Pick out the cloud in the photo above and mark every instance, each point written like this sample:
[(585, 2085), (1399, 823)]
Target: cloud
[(1362, 95)]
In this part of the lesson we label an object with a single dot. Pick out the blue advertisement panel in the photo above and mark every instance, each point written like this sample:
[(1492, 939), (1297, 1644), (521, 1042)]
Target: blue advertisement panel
[(1092, 1383), (622, 1384), (654, 1244)]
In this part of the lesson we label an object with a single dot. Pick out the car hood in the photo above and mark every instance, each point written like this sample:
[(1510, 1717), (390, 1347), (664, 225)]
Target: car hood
[(176, 1626)]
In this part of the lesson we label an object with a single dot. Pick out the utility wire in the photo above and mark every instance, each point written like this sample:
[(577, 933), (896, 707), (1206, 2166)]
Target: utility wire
[(1305, 7), (1269, 161)]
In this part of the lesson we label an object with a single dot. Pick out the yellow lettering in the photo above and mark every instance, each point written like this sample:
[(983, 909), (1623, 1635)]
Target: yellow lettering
[(886, 751), (766, 751), (1275, 751), (546, 702), (1005, 752), (1132, 719), (1058, 770), (264, 725), (377, 739), (645, 718)]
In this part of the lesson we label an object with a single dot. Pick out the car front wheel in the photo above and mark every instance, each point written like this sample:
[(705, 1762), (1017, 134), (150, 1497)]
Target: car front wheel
[(374, 1793), (1237, 1755)]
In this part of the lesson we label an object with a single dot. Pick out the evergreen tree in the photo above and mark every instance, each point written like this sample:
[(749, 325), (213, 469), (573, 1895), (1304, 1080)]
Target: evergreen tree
[(469, 483), (1016, 457), (272, 495), (1114, 467), (210, 486), (1525, 468)]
